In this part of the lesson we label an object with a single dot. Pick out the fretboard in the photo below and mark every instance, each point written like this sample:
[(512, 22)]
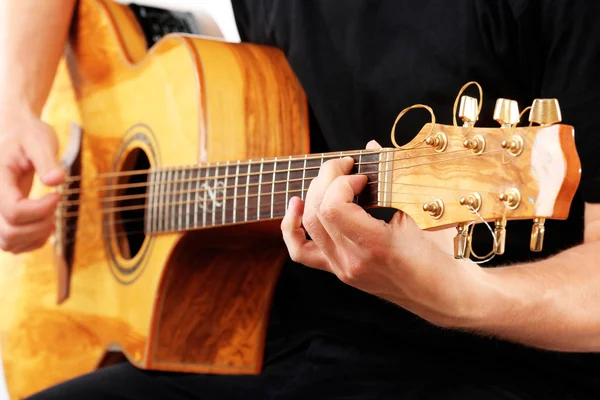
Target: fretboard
[(187, 198)]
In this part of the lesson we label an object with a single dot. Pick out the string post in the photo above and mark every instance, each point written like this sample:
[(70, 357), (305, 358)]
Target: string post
[(506, 112), (476, 144), (473, 201), (439, 141), (514, 145), (511, 198)]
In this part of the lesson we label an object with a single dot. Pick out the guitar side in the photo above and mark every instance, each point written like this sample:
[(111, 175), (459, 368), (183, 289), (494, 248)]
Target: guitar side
[(193, 302)]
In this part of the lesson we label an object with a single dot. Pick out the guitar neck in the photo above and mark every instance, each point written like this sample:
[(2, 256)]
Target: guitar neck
[(188, 198)]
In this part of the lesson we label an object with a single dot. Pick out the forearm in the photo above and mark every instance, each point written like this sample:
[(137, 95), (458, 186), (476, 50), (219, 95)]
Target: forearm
[(552, 304), (32, 38)]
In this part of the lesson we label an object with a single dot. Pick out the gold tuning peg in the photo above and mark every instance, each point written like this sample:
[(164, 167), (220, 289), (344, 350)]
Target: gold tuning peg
[(468, 110), (537, 234), (462, 241), (500, 234), (506, 112), (545, 112)]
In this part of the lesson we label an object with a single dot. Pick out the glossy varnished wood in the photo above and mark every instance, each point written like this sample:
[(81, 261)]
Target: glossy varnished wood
[(198, 101), (546, 173), (214, 294)]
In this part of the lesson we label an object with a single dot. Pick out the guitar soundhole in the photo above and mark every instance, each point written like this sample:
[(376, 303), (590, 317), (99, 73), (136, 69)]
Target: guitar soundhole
[(132, 199)]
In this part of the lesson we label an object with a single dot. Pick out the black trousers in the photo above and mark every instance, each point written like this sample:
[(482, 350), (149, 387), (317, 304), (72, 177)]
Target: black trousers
[(319, 369)]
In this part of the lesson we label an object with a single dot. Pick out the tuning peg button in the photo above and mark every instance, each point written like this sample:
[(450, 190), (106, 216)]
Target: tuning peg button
[(506, 112), (537, 234), (545, 112), (468, 110)]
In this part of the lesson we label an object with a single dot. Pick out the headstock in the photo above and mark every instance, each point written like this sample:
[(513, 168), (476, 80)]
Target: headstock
[(461, 175)]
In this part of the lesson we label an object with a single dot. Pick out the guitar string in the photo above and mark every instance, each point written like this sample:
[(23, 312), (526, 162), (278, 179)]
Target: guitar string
[(217, 199), (115, 209), (200, 227), (182, 192), (267, 206), (247, 163), (224, 165), (66, 203), (219, 219), (210, 179)]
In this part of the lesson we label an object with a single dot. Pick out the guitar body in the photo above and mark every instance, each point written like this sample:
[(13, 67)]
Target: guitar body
[(195, 302)]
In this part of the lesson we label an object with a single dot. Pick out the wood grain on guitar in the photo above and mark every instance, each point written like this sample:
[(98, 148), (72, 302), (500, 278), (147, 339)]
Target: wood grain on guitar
[(176, 241)]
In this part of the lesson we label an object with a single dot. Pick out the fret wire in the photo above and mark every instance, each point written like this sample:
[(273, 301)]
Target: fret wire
[(163, 175), (215, 194), (260, 175), (168, 192), (171, 195), (224, 208), (235, 190), (204, 185), (303, 178), (180, 216), (150, 202), (358, 170), (322, 159), (198, 174), (171, 208), (273, 186), (189, 195), (247, 189), (287, 183)]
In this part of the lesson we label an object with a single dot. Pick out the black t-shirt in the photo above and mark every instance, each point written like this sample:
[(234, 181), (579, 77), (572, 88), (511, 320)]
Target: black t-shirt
[(360, 63)]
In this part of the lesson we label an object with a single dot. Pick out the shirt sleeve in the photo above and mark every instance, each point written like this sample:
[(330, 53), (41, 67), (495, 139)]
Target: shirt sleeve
[(250, 20), (569, 70)]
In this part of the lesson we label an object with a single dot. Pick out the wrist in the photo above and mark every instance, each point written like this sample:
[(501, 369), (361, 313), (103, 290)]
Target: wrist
[(15, 108), (470, 306), (507, 296)]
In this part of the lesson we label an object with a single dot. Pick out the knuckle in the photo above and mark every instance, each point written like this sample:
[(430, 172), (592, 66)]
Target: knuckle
[(354, 271), (328, 167), (347, 276), (284, 226), (9, 234), (328, 211), (310, 222), (10, 215), (295, 254)]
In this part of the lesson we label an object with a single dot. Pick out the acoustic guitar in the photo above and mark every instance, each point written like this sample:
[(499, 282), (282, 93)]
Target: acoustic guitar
[(181, 160)]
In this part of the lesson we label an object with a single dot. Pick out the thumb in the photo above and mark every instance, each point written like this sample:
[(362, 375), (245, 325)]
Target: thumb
[(41, 148)]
